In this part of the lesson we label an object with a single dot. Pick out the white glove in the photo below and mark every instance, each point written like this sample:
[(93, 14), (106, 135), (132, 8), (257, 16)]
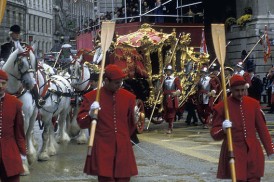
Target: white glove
[(176, 93), (95, 105), (226, 124), (23, 157), (213, 93)]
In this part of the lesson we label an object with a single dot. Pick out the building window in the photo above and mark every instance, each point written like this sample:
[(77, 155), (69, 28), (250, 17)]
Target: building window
[(8, 18), (20, 19), (30, 22), (34, 23), (14, 18)]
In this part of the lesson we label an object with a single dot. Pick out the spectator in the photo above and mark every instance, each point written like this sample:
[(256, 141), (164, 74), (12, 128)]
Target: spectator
[(159, 12), (145, 8)]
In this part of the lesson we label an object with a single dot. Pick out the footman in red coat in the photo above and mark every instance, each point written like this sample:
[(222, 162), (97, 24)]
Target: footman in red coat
[(246, 121), (112, 157), (12, 135)]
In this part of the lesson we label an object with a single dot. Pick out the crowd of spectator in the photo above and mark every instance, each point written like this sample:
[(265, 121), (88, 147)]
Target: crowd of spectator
[(152, 11), (131, 13)]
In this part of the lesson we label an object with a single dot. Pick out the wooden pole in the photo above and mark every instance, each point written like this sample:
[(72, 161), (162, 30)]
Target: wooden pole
[(107, 32), (3, 4), (253, 48), (218, 36), (58, 57)]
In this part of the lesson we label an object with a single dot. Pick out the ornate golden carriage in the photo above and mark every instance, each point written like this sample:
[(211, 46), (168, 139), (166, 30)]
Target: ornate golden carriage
[(144, 54)]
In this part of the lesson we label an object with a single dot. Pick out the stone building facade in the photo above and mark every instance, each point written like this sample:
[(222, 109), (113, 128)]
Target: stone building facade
[(35, 19), (39, 20), (247, 37), (15, 14)]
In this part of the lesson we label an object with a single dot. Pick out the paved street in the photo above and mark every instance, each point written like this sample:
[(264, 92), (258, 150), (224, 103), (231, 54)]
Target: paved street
[(189, 154)]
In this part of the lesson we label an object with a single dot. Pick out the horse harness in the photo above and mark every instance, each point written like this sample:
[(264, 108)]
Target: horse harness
[(49, 92)]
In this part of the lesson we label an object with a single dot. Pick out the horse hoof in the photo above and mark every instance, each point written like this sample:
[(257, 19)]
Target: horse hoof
[(52, 152), (82, 141), (43, 157), (63, 140)]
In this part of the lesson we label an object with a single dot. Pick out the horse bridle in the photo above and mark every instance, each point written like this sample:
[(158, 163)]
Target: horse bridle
[(30, 70), (74, 77)]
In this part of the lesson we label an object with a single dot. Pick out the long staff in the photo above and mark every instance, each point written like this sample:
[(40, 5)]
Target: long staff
[(218, 36), (107, 32), (3, 4), (162, 83), (58, 57), (253, 48)]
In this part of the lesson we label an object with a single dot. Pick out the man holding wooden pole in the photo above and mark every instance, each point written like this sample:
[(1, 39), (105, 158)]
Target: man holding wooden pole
[(112, 157), (246, 120)]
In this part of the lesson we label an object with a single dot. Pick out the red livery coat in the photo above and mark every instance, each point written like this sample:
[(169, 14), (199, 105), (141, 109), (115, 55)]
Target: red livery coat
[(12, 135), (112, 153), (247, 119)]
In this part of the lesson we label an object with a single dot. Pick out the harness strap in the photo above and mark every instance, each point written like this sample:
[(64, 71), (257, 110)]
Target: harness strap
[(46, 87), (20, 92)]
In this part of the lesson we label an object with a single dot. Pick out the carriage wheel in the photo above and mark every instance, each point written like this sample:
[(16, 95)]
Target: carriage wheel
[(140, 116)]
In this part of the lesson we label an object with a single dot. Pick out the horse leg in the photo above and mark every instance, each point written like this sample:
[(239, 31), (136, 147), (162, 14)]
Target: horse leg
[(52, 145), (28, 127), (43, 156), (32, 152), (74, 128), (82, 137), (63, 137)]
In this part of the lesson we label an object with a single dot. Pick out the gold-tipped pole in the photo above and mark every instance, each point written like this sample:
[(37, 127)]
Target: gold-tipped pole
[(218, 36), (253, 48), (107, 32)]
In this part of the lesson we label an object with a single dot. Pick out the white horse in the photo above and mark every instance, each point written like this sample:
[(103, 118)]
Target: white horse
[(80, 80), (20, 68), (56, 92)]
